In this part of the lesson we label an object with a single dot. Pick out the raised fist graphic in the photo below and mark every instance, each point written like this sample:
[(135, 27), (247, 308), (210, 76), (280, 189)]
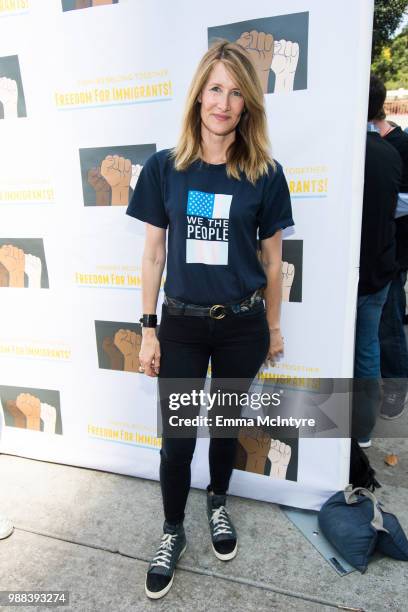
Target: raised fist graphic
[(136, 170), (256, 442), (288, 274), (9, 97), (30, 406), (33, 267), (79, 4), (101, 187), (13, 259), (114, 354), (260, 47), (279, 456), (48, 416), (117, 171), (284, 64), (4, 276), (129, 343), (18, 417)]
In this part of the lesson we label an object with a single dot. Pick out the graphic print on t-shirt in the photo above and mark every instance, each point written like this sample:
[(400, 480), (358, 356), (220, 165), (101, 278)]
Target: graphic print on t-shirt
[(207, 228)]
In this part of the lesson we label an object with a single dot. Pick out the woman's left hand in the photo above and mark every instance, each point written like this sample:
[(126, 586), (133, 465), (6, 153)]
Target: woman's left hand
[(276, 346)]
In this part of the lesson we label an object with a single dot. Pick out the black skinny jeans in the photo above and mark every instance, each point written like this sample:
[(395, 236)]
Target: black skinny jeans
[(237, 346)]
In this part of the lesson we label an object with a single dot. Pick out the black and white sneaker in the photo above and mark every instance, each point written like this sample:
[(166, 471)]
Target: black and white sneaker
[(160, 574), (223, 534), (393, 404)]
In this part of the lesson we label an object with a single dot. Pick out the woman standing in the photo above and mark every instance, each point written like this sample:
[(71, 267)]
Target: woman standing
[(215, 191)]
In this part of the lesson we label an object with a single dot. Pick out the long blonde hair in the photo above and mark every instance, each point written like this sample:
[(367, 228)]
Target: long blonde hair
[(249, 153)]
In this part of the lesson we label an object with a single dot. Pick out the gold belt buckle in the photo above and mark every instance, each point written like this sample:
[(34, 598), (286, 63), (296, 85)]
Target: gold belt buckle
[(213, 314)]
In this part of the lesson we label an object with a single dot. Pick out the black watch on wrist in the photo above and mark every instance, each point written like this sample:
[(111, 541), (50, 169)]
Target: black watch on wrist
[(148, 320)]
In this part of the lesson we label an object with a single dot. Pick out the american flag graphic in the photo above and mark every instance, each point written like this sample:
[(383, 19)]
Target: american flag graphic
[(200, 204), (208, 206)]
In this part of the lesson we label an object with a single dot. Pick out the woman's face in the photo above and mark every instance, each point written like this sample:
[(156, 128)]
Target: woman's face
[(221, 102)]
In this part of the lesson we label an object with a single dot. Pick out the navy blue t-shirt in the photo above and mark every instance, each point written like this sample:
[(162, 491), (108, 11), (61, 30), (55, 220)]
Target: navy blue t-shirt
[(213, 222)]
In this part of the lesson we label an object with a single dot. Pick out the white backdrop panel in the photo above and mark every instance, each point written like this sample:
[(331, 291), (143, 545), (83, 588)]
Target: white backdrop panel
[(113, 78)]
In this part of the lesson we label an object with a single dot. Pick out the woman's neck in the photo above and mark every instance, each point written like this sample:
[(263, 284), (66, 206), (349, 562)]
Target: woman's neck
[(384, 127), (214, 147)]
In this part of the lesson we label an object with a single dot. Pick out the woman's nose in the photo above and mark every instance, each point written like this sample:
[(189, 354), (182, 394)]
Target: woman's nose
[(223, 102)]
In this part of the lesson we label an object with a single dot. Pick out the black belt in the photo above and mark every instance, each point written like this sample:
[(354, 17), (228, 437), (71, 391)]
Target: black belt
[(217, 311)]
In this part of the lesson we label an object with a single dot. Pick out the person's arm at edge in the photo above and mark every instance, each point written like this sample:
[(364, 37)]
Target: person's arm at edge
[(271, 259), (153, 262)]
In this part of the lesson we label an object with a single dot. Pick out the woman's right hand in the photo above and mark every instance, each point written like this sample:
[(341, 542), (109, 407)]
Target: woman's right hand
[(149, 356)]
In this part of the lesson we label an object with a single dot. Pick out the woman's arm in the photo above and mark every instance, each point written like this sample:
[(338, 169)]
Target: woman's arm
[(153, 262), (271, 259)]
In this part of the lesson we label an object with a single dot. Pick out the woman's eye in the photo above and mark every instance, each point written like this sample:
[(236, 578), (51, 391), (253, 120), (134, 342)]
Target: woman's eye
[(237, 93), (215, 88)]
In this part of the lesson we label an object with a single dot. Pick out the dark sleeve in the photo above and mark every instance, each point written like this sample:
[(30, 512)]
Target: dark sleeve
[(147, 201), (404, 158), (276, 209)]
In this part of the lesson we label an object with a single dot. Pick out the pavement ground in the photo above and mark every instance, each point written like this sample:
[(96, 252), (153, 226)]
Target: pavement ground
[(92, 533)]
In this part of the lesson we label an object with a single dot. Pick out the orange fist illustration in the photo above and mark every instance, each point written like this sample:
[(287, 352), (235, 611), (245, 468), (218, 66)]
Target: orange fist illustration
[(18, 416), (13, 259), (118, 172), (259, 45), (114, 354), (129, 343), (80, 4), (30, 406), (4, 276)]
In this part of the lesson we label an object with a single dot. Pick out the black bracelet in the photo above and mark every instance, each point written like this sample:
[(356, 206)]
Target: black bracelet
[(148, 320)]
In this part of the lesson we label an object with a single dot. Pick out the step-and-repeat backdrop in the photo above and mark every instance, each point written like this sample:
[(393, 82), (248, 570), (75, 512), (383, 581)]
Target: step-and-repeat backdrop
[(89, 89)]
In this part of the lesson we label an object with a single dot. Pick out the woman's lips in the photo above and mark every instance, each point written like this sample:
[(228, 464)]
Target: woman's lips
[(221, 117)]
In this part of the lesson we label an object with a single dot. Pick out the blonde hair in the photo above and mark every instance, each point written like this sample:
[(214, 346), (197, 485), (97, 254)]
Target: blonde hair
[(249, 153)]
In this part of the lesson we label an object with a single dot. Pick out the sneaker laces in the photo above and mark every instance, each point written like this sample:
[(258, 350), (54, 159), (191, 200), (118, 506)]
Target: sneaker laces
[(163, 554), (219, 519), (394, 397)]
